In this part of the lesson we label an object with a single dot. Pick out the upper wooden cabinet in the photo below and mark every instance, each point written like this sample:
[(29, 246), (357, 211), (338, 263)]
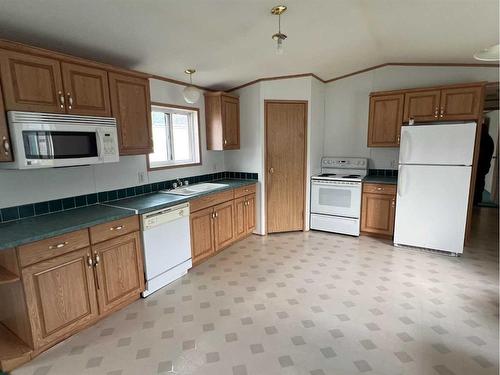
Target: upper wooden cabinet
[(5, 145), (31, 83), (86, 90), (461, 103), (422, 105), (385, 120), (131, 105), (222, 117)]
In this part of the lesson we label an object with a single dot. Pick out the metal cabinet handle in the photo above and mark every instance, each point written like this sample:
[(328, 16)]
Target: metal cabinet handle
[(90, 262), (61, 99), (58, 246), (271, 170), (380, 189), (6, 145), (216, 214), (70, 100), (119, 227), (393, 203), (225, 141), (97, 259), (441, 114), (398, 139), (436, 112)]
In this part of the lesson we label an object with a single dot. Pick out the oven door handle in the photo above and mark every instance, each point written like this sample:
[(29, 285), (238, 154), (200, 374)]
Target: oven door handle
[(356, 185)]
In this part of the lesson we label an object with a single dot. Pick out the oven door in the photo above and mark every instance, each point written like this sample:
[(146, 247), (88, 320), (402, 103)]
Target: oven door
[(339, 198), (44, 146)]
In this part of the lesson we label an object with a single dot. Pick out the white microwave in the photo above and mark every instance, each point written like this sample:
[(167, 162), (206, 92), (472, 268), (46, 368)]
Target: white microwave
[(46, 140)]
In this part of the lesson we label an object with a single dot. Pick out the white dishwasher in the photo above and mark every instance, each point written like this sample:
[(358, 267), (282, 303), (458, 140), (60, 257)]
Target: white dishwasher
[(167, 246)]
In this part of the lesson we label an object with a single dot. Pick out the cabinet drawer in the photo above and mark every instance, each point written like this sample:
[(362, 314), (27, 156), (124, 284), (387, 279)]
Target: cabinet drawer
[(112, 229), (379, 188), (211, 200), (244, 190), (45, 249)]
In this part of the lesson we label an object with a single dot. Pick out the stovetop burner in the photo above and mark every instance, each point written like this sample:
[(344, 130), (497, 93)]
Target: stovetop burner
[(327, 175), (352, 176)]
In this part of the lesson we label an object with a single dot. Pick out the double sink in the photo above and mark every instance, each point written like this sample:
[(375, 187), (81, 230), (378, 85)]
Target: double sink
[(194, 189)]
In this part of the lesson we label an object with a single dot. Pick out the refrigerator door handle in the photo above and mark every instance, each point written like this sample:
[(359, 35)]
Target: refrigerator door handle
[(406, 147), (401, 181)]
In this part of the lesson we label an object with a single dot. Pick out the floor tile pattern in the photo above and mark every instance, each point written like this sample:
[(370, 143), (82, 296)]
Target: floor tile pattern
[(305, 303)]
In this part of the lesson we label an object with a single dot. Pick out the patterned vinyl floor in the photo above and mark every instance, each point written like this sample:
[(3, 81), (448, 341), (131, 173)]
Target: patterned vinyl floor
[(306, 303)]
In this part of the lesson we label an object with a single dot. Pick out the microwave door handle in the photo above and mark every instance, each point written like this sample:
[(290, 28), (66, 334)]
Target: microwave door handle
[(51, 147), (99, 141)]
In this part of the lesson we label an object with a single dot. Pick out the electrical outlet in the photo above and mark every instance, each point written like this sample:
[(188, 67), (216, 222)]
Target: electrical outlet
[(394, 164), (215, 167), (141, 176)]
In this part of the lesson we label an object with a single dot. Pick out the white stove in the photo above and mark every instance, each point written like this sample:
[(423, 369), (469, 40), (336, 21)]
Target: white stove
[(336, 195)]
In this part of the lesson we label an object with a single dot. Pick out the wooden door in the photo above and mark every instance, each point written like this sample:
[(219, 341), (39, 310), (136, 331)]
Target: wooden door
[(231, 122), (202, 234), (286, 124), (60, 295), (119, 269), (422, 105), (250, 213), (461, 103), (377, 214), (131, 106), (385, 120), (240, 217), (86, 90), (224, 225), (31, 83), (5, 145)]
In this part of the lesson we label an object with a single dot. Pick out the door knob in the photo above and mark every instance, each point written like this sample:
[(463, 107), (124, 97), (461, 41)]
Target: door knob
[(271, 170)]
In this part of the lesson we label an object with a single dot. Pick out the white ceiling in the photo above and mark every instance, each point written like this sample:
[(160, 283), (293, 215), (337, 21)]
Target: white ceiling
[(229, 41)]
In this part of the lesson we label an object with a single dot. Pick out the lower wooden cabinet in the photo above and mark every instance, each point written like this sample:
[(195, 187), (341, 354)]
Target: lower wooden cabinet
[(378, 208), (244, 222), (202, 234), (119, 271), (60, 296), (224, 225)]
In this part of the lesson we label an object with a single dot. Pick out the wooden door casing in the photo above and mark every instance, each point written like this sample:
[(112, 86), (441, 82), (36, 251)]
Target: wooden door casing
[(422, 105), (202, 234), (60, 295), (5, 144), (131, 106), (377, 213), (385, 120), (240, 217), (31, 83), (231, 122), (119, 271), (285, 135), (86, 90), (224, 225), (461, 103)]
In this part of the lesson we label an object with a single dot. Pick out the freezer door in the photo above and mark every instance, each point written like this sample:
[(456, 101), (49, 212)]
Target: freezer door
[(448, 144), (431, 207)]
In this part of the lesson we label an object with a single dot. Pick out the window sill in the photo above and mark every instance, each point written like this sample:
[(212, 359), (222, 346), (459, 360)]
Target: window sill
[(172, 166)]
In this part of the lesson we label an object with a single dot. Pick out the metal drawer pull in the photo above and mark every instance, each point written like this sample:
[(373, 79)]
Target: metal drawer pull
[(119, 227), (90, 262), (58, 246)]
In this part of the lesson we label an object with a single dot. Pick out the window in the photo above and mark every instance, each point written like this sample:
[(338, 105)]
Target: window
[(175, 137)]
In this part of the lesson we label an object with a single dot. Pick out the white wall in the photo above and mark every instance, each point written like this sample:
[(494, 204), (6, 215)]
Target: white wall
[(347, 101), (21, 187)]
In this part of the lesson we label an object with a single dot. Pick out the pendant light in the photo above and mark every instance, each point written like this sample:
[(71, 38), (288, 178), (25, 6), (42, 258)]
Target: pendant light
[(489, 54), (191, 93), (279, 37)]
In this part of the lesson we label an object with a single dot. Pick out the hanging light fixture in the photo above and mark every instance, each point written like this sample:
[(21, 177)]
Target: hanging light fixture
[(191, 93), (279, 37), (489, 54)]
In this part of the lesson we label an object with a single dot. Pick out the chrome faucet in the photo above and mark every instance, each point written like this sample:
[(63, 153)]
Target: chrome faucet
[(179, 182)]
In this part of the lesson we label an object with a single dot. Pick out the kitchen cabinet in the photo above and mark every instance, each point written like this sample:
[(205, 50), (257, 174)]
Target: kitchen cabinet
[(202, 234), (422, 105), (119, 271), (86, 90), (244, 208), (31, 83), (224, 225), (222, 118), (461, 103), (60, 295), (378, 208), (5, 145), (385, 119), (131, 106)]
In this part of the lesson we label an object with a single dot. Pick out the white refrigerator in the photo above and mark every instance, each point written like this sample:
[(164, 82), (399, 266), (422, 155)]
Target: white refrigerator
[(435, 163)]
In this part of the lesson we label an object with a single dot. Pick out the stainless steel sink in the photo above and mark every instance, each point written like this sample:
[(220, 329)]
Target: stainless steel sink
[(194, 189)]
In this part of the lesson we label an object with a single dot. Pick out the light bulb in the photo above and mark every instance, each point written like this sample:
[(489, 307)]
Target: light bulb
[(191, 94), (279, 47)]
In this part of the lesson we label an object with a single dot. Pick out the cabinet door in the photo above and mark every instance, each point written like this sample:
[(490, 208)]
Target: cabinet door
[(462, 103), (202, 234), (422, 105), (131, 106), (231, 122), (31, 83), (86, 90), (119, 270), (5, 145), (60, 294), (377, 214), (385, 119), (250, 213), (224, 225), (240, 217)]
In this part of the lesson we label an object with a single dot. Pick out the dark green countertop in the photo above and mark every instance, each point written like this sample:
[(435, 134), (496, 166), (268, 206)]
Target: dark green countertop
[(157, 201), (19, 232), (381, 180)]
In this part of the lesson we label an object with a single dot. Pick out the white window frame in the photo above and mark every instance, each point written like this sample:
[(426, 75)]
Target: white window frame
[(194, 135)]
